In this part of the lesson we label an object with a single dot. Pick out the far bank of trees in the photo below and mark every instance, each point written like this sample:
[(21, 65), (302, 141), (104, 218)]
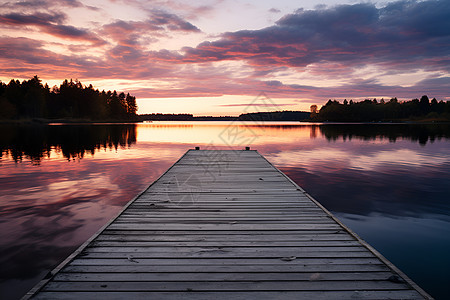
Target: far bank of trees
[(31, 99), (275, 116), (374, 110)]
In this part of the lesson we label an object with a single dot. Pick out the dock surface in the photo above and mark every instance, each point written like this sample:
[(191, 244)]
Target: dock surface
[(225, 225)]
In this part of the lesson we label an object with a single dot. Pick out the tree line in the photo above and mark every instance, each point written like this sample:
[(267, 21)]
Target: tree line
[(31, 99), (257, 116), (284, 115), (372, 110)]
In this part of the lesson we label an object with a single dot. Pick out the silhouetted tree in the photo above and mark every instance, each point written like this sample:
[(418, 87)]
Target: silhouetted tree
[(424, 104), (31, 99), (372, 110), (131, 105)]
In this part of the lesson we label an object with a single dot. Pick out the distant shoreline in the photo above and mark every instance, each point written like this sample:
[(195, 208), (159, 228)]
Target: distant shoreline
[(203, 119)]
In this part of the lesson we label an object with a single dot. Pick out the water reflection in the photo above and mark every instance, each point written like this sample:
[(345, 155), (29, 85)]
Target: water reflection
[(415, 132), (389, 183), (34, 142)]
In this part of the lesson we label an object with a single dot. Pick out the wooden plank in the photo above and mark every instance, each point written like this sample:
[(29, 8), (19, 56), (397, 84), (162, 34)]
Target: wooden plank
[(226, 276), (181, 208), (168, 218), (118, 249), (239, 295), (222, 243), (138, 257), (280, 244), (226, 225), (226, 238), (272, 234), (240, 204), (223, 227), (233, 268), (233, 221), (221, 261), (353, 285), (223, 213)]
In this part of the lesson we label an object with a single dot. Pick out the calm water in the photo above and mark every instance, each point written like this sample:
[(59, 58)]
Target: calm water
[(389, 183)]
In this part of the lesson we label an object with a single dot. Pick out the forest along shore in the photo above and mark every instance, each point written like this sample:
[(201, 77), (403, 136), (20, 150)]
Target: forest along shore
[(71, 101)]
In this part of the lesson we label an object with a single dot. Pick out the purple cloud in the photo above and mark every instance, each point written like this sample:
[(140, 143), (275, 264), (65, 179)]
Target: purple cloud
[(37, 19), (33, 4), (131, 37), (402, 33), (50, 24), (159, 23)]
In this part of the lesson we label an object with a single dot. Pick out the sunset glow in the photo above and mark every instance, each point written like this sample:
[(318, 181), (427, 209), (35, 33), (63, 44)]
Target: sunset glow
[(213, 57)]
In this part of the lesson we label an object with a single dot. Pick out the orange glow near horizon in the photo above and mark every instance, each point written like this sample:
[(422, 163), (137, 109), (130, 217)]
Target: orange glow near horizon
[(226, 105), (222, 133)]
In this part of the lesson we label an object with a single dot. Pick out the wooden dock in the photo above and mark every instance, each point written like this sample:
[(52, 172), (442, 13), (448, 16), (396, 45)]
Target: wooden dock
[(225, 225)]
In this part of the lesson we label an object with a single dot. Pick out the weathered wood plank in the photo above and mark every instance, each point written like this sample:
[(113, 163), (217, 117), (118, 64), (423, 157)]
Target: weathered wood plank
[(238, 295), (227, 276), (280, 244), (221, 261), (233, 221), (223, 227), (300, 249), (273, 234), (137, 257), (168, 218), (323, 240), (233, 268), (222, 213), (354, 285)]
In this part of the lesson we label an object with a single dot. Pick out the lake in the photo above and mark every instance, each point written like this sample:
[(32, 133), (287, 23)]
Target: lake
[(390, 183)]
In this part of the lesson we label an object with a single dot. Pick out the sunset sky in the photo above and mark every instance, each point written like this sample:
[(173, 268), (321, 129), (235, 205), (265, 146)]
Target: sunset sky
[(213, 57)]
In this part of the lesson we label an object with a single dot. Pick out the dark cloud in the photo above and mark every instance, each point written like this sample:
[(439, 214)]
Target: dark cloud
[(410, 33), (132, 37), (73, 33), (37, 19), (188, 9), (171, 21), (274, 83), (45, 4), (50, 24), (159, 23), (437, 87)]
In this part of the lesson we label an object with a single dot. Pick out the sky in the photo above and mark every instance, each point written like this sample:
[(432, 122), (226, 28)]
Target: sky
[(216, 57)]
